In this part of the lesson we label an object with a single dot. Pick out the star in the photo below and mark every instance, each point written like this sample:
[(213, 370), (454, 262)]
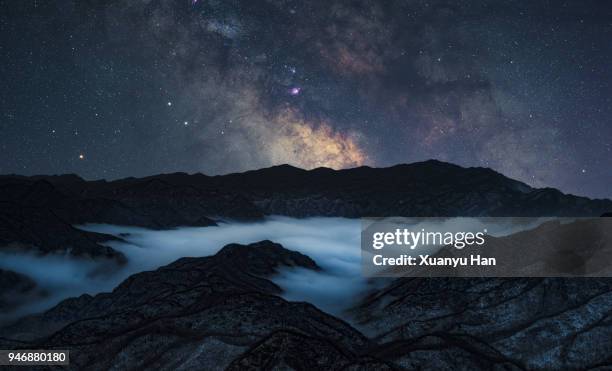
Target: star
[(521, 108)]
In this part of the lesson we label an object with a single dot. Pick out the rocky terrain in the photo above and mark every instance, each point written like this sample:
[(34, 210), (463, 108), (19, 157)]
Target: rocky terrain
[(41, 231), (38, 212), (198, 313), (16, 289), (555, 248), (224, 311), (430, 188), (482, 323)]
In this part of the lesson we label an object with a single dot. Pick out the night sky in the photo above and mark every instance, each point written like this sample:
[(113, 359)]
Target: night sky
[(110, 89)]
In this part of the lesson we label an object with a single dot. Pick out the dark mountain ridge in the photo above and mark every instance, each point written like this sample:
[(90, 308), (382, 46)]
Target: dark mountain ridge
[(429, 188), (224, 312), (208, 313), (227, 305), (38, 212)]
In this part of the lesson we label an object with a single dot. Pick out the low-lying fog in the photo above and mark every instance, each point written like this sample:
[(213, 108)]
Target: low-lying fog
[(334, 243)]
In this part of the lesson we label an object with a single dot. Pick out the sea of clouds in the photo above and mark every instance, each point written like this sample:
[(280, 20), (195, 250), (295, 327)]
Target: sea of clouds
[(334, 243)]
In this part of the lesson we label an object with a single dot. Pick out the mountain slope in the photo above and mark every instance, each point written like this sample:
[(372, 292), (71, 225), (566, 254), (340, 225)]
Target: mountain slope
[(550, 323), (430, 188), (196, 313)]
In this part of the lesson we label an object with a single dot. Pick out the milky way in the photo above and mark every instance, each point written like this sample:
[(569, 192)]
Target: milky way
[(132, 88)]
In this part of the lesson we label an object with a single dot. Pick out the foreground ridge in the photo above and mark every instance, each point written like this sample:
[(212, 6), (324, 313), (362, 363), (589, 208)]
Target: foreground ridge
[(202, 313), (224, 312)]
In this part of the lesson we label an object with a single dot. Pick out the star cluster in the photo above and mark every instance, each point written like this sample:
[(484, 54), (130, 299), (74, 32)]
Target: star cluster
[(134, 87)]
